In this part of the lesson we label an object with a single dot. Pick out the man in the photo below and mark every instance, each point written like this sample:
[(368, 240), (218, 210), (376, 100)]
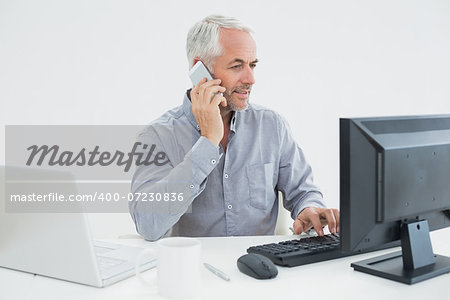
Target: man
[(227, 159)]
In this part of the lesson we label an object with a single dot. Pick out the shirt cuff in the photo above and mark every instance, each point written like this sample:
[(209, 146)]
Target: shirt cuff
[(313, 201), (204, 157)]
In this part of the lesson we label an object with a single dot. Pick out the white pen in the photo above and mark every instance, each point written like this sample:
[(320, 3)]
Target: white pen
[(217, 272)]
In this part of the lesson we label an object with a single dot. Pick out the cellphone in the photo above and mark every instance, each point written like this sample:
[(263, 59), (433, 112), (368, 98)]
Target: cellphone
[(199, 71)]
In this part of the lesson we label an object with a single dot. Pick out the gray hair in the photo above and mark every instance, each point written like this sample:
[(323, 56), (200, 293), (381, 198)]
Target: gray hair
[(203, 38)]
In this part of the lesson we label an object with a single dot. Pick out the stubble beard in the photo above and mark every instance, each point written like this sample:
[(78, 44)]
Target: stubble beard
[(237, 104)]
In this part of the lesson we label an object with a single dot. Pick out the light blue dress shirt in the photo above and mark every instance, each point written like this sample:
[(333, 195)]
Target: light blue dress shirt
[(204, 191)]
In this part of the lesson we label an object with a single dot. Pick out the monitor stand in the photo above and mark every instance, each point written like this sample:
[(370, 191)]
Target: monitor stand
[(416, 262)]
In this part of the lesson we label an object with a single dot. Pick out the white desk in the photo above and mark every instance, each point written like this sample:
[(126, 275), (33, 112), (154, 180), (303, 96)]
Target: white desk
[(333, 279)]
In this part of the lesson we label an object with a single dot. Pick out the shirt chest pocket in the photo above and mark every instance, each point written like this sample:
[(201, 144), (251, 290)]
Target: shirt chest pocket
[(260, 184)]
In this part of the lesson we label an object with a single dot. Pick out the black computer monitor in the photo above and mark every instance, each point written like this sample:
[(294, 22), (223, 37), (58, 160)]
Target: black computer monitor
[(395, 185)]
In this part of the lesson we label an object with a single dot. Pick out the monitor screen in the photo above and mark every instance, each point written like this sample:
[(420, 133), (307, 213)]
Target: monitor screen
[(394, 179)]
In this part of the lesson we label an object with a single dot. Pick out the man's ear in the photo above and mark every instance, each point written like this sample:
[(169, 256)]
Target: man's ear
[(196, 60)]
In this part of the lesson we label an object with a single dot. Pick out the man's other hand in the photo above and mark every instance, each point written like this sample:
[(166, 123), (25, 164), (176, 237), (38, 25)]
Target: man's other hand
[(317, 218)]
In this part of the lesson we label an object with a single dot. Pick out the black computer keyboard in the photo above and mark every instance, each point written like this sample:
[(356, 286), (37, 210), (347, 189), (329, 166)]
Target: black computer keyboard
[(302, 251)]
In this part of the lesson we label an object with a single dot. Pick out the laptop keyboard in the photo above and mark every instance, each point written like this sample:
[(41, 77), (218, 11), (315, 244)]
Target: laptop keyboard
[(101, 250), (114, 259), (105, 263)]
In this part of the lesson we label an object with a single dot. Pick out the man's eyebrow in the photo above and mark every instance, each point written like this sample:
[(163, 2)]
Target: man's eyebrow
[(241, 61)]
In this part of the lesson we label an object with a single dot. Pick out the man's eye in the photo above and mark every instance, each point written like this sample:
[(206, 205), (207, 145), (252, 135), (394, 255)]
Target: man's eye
[(236, 67), (252, 66)]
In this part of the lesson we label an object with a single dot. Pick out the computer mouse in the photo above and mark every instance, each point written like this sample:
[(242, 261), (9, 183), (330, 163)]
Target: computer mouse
[(257, 266)]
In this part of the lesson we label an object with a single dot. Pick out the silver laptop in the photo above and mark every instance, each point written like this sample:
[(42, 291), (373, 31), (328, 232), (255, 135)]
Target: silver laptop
[(60, 245)]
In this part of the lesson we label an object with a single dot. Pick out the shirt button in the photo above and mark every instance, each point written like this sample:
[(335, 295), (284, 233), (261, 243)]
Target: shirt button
[(191, 186), (230, 206), (213, 161), (226, 176)]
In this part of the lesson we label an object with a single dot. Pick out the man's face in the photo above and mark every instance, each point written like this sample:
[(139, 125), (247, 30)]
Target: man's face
[(236, 66)]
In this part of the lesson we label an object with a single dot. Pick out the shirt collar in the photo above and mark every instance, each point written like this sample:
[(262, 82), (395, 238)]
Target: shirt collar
[(187, 109), (234, 121)]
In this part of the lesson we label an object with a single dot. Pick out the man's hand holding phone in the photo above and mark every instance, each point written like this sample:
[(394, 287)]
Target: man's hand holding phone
[(206, 97)]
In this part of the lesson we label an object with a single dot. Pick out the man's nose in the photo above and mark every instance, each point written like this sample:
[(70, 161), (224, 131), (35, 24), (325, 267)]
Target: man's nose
[(248, 76)]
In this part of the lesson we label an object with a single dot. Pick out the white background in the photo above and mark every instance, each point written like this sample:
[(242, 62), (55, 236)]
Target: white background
[(124, 62)]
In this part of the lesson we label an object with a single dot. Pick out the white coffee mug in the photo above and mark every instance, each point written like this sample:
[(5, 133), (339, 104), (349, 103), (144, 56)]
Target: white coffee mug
[(178, 267)]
